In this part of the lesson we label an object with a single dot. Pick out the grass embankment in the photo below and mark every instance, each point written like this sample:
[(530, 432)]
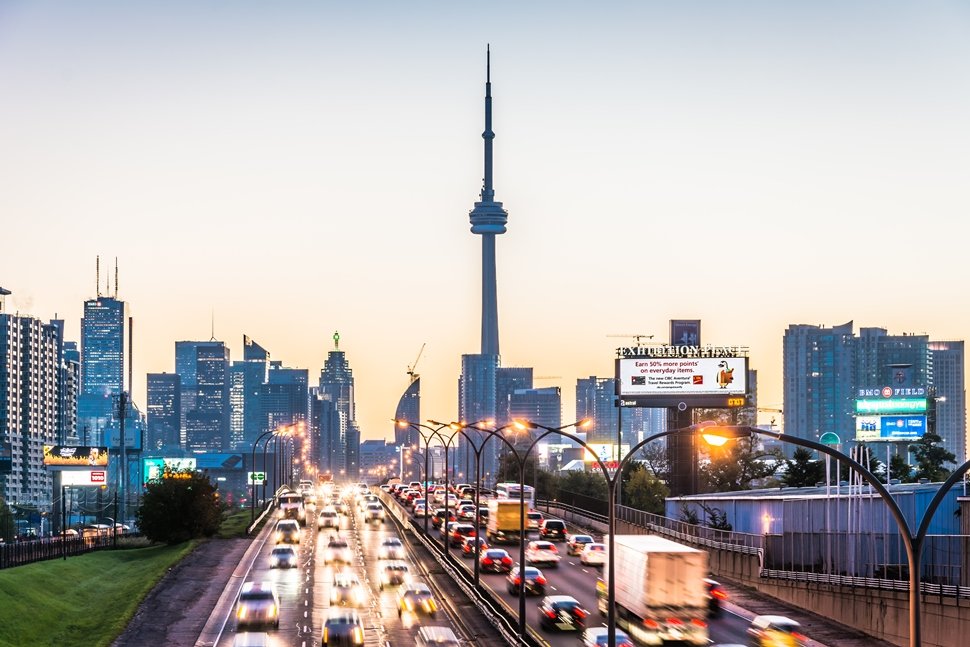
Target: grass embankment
[(235, 524), (88, 599)]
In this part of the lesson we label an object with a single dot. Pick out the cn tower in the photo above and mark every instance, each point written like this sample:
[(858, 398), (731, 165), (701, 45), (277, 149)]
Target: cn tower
[(488, 218)]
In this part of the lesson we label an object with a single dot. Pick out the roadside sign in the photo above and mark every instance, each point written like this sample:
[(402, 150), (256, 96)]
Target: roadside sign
[(257, 478)]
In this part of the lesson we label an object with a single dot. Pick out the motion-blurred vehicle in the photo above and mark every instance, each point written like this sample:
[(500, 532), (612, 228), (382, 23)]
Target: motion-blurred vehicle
[(287, 531), (439, 515), (542, 552), (562, 613), (460, 531), (776, 631), (576, 543), (715, 595), (251, 639), (258, 605), (436, 637), (337, 552), (532, 519), (391, 548), (343, 627), (328, 518), (495, 560), (535, 582), (394, 574), (420, 511), (347, 590), (552, 530), (291, 507), (416, 597), (468, 546), (283, 557), (599, 637), (593, 554), (374, 513)]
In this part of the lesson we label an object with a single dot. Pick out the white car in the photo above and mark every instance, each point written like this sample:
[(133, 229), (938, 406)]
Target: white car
[(593, 554), (391, 548), (338, 551), (347, 590), (328, 518), (374, 512), (420, 511), (542, 552)]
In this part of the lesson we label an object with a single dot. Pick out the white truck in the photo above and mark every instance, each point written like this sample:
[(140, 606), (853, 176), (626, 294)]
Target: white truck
[(660, 591)]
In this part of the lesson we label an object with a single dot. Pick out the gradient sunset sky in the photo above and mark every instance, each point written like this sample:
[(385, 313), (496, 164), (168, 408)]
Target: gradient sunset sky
[(304, 167)]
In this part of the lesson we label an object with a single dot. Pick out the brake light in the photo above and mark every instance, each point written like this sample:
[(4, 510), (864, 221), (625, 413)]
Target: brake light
[(487, 561), (518, 580), (651, 624), (697, 622), (550, 614), (506, 560), (540, 580), (798, 636), (676, 622), (553, 548), (719, 594), (579, 613)]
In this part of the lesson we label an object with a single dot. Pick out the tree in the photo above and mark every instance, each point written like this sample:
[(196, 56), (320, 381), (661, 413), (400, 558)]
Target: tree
[(802, 470), (181, 505), (930, 456), (900, 469), (8, 531), (644, 491), (735, 465), (656, 458)]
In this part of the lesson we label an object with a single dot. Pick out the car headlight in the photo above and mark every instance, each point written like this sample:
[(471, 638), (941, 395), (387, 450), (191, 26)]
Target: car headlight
[(272, 611), (359, 635)]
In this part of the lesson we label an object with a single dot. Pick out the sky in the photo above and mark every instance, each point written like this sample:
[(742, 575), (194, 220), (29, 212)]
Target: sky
[(287, 170)]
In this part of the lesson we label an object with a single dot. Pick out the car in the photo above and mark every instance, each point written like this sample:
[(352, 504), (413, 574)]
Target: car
[(593, 554), (535, 582), (466, 513), (563, 613), (460, 531), (251, 639), (416, 598), (552, 530), (436, 637), (347, 590), (542, 552), (776, 631), (374, 513), (418, 501), (391, 548), (599, 637), (328, 518), (337, 552), (258, 605), (496, 560), (439, 515), (533, 519), (343, 627), (715, 595), (576, 543), (394, 574), (468, 546), (420, 511), (283, 557), (287, 531), (385, 487)]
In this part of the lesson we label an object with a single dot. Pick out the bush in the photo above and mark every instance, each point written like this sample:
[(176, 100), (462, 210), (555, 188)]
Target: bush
[(180, 506)]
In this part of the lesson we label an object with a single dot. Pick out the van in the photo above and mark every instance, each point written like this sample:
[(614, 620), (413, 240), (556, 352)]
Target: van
[(552, 530), (436, 637)]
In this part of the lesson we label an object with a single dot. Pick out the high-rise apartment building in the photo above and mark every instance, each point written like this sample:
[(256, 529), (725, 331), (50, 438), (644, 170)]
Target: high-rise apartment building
[(337, 386), (408, 408), (542, 406), (825, 368), (164, 412), (30, 403)]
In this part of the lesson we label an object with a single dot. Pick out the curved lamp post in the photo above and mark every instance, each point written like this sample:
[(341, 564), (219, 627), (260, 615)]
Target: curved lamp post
[(432, 432), (253, 481)]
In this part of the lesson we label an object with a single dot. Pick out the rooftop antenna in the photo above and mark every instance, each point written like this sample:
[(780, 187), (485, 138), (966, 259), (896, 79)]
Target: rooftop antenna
[(97, 276), (213, 337), (116, 277)]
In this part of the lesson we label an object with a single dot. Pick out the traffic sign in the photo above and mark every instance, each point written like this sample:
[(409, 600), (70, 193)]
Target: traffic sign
[(257, 478)]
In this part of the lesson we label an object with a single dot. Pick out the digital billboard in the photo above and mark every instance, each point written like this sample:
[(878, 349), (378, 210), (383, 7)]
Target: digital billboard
[(604, 451), (682, 376), (894, 405), (82, 478), (80, 456), (890, 428), (155, 467)]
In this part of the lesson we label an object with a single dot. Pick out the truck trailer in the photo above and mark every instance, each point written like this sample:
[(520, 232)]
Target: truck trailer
[(503, 521), (660, 591)]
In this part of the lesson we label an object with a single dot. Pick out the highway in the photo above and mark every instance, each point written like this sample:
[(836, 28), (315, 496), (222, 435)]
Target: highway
[(304, 592)]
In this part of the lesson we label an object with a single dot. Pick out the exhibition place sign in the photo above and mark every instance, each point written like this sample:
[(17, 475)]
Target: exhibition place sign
[(705, 351)]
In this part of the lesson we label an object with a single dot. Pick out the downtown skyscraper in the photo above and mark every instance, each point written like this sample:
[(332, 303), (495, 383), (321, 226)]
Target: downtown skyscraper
[(103, 354), (333, 409), (203, 368)]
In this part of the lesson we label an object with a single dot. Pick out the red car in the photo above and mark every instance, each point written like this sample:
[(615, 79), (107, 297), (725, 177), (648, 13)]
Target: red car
[(496, 560), (468, 547)]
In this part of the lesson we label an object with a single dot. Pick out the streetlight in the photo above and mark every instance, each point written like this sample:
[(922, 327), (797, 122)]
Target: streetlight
[(417, 426), (252, 480)]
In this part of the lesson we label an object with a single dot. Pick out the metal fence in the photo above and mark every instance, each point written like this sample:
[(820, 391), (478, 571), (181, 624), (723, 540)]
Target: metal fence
[(37, 550)]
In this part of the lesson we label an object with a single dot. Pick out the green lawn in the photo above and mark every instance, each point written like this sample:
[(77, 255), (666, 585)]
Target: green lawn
[(84, 600)]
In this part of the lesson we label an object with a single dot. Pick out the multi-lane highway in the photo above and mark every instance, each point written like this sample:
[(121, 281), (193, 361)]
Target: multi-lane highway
[(305, 591)]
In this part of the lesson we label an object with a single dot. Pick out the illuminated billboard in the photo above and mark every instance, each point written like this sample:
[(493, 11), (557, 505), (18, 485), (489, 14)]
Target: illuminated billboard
[(681, 377), (155, 467), (893, 405), (82, 478), (81, 456), (890, 428), (605, 452)]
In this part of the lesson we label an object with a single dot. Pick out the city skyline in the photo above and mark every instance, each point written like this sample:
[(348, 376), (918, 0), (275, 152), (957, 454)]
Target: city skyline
[(292, 172)]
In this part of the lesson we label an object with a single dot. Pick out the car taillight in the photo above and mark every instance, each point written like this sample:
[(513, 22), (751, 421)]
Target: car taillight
[(518, 580), (799, 637), (676, 622), (651, 624), (697, 622), (506, 560), (720, 594), (554, 549), (580, 613), (487, 561), (540, 580), (550, 614)]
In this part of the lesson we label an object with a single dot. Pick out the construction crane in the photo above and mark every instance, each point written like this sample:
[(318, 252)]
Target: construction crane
[(638, 338), (413, 366)]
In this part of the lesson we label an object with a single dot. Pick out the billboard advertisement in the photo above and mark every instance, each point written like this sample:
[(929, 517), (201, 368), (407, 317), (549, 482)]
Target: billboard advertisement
[(155, 467), (81, 478), (890, 428), (895, 405), (682, 377), (605, 452), (81, 456)]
